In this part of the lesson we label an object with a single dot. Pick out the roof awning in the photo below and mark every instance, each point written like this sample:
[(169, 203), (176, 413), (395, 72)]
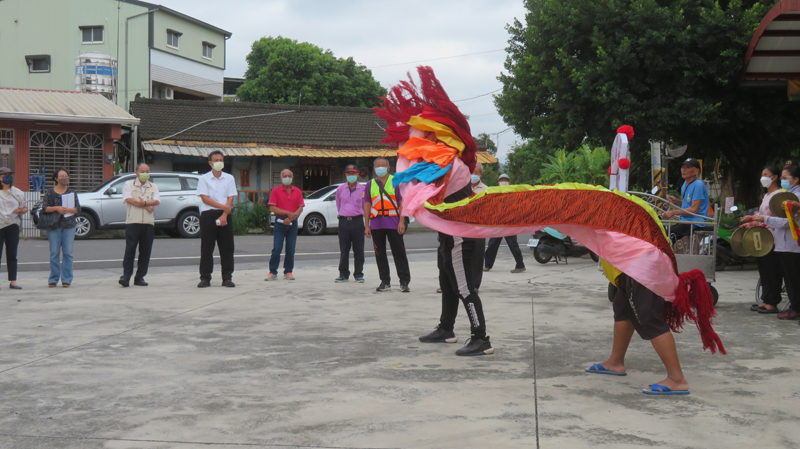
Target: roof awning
[(773, 56), (61, 106), (203, 150)]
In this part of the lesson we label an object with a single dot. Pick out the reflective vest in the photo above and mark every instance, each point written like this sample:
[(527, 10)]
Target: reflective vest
[(382, 205)]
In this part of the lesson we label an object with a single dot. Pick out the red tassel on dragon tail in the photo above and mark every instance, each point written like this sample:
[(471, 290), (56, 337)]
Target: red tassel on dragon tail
[(694, 303)]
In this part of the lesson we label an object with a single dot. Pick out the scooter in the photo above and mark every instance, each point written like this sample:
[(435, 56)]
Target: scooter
[(549, 243)]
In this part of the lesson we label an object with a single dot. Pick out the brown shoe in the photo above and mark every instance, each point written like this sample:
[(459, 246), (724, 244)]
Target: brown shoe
[(789, 314), (51, 285), (65, 285)]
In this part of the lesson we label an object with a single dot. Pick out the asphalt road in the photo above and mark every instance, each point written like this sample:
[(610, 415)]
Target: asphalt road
[(34, 254)]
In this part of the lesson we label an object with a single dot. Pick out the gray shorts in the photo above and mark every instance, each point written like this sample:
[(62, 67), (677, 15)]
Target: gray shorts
[(639, 305)]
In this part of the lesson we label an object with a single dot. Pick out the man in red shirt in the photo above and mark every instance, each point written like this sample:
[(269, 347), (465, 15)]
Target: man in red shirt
[(286, 202)]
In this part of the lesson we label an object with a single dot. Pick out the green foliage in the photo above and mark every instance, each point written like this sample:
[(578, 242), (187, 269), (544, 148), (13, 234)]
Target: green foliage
[(283, 71), (525, 161), (578, 69), (251, 216), (582, 165)]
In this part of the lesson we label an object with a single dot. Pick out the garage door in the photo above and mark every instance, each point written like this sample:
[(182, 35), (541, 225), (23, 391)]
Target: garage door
[(80, 153)]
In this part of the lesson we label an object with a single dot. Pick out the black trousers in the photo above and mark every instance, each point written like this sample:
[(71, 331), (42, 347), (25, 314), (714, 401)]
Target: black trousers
[(769, 268), (790, 267), (140, 235), (456, 273), (494, 245), (351, 235), (379, 237), (477, 262), (9, 237), (212, 235)]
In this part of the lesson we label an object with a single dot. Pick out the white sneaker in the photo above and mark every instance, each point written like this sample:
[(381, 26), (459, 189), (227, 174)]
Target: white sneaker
[(288, 277)]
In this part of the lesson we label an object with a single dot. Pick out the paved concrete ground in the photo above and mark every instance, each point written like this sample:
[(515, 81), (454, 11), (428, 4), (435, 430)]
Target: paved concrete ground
[(317, 364)]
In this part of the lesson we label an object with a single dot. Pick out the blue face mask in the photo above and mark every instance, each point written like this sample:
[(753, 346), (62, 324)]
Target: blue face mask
[(352, 178), (8, 179), (785, 185), (381, 171)]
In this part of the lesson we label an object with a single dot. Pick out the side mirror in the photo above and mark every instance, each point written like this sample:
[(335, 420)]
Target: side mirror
[(734, 209), (111, 191)]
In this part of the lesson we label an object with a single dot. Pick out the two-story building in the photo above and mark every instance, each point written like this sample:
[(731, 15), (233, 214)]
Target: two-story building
[(119, 48)]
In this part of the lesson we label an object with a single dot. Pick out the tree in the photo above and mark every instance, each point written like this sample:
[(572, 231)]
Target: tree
[(577, 69), (283, 71), (582, 165), (525, 161), (490, 171)]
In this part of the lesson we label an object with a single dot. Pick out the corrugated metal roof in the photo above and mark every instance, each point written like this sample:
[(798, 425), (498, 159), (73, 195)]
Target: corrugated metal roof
[(61, 106), (203, 149)]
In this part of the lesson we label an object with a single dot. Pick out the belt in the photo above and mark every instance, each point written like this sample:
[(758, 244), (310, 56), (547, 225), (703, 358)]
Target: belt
[(351, 218)]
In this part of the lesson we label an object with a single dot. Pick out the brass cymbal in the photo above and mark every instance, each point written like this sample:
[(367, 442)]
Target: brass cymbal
[(776, 203), (736, 242), (758, 241)]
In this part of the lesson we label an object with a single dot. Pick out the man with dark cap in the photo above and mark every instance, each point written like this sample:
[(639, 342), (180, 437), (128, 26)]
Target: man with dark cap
[(350, 207), (695, 200)]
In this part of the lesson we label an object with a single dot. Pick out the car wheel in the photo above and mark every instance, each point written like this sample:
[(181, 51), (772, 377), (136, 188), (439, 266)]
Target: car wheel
[(189, 224), (85, 227), (714, 294), (314, 224), (540, 258)]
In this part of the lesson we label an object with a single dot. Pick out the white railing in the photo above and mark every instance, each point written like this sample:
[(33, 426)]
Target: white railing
[(28, 228)]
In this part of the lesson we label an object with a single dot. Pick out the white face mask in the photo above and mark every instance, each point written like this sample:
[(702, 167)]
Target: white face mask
[(218, 166), (475, 179), (502, 183), (286, 181), (766, 182)]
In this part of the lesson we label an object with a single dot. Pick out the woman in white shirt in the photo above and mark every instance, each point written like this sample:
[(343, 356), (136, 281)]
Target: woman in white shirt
[(769, 266), (12, 205), (786, 247)]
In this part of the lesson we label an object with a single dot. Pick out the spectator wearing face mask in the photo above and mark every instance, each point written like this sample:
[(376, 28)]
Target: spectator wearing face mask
[(62, 200), (12, 205), (350, 209), (513, 245), (286, 202), (141, 198), (217, 190)]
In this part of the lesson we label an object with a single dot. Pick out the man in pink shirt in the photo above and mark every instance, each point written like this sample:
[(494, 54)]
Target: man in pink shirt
[(350, 207), (286, 202)]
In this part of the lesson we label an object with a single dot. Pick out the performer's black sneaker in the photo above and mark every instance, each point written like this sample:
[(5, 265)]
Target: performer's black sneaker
[(124, 282), (476, 346), (204, 284), (439, 336), (383, 287), (404, 288)]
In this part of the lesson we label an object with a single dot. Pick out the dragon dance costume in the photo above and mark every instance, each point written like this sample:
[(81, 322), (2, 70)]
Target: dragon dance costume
[(435, 157)]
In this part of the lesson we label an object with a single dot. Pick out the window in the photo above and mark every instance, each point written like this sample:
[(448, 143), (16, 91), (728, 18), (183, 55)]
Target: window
[(168, 183), (38, 63), (92, 35), (207, 50), (191, 183), (172, 38), (7, 137)]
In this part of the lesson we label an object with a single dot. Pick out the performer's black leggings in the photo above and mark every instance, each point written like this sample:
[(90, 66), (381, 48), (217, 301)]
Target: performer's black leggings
[(456, 273)]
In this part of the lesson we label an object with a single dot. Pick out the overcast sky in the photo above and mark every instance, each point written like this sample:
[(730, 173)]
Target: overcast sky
[(386, 36)]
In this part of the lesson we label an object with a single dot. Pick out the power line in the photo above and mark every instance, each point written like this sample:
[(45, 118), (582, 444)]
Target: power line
[(437, 59), (478, 96)]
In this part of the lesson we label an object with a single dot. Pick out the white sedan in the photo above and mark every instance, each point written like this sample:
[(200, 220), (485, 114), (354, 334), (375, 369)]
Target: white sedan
[(319, 212)]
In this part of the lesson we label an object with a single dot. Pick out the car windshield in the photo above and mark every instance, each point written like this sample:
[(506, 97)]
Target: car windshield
[(320, 193)]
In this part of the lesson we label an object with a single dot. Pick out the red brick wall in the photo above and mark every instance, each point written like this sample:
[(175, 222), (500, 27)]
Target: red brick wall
[(22, 131)]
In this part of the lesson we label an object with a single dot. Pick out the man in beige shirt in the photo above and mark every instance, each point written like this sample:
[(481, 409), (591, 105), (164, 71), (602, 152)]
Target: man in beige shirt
[(141, 197)]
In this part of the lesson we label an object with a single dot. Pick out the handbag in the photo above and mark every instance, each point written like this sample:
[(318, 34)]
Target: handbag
[(48, 221)]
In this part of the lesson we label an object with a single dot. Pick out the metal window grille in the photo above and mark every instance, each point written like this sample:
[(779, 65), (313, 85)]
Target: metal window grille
[(7, 137), (80, 153)]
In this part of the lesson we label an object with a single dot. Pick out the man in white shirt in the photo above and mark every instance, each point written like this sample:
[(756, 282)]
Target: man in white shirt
[(217, 190), (141, 197)]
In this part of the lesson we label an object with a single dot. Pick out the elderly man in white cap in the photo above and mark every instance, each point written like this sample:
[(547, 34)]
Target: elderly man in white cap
[(494, 243)]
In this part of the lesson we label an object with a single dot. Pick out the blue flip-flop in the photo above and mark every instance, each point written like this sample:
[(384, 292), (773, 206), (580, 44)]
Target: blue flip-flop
[(599, 369), (661, 390)]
